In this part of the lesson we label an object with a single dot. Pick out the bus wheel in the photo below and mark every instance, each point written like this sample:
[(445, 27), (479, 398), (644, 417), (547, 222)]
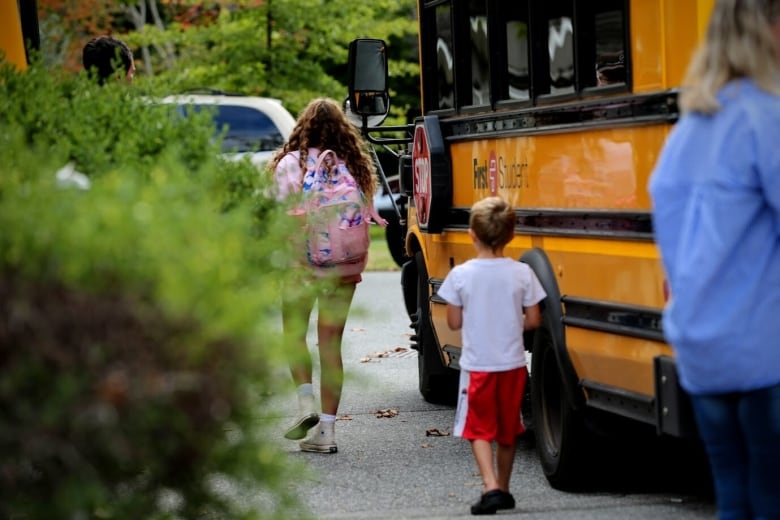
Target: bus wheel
[(438, 383), (394, 235), (558, 428)]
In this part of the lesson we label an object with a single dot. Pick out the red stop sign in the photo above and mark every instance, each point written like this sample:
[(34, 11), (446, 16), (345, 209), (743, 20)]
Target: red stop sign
[(421, 167)]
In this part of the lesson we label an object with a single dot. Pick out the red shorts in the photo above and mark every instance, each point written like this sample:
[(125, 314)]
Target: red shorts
[(489, 405)]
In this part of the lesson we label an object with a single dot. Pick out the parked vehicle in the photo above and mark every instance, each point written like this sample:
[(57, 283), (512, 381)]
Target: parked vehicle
[(250, 126)]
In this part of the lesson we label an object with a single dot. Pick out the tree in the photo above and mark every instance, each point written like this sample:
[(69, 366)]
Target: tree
[(292, 50), (66, 25), (139, 13)]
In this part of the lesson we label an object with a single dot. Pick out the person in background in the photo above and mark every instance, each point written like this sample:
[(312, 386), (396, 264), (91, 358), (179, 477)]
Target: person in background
[(102, 56), (716, 211), (321, 126), (480, 293)]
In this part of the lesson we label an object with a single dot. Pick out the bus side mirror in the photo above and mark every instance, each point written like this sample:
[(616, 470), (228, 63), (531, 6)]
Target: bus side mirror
[(368, 102)]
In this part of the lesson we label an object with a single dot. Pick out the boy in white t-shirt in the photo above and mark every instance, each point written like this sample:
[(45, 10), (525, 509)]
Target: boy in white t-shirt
[(493, 299)]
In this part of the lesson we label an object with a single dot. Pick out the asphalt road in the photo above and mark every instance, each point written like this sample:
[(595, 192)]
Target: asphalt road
[(388, 468)]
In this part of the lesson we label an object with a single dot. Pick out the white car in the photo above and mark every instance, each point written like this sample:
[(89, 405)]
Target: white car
[(254, 126)]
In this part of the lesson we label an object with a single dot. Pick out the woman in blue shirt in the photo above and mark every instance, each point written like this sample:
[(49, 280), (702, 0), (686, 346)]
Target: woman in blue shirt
[(716, 213)]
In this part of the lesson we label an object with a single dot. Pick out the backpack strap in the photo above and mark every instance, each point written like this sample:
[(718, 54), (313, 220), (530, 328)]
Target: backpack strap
[(371, 210), (321, 159)]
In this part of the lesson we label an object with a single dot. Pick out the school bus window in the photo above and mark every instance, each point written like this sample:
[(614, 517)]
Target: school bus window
[(445, 77), (480, 61), (609, 45), (518, 74), (560, 45)]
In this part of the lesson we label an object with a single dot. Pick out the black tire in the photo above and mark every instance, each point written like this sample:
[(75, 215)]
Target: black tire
[(438, 383), (559, 429), (395, 234)]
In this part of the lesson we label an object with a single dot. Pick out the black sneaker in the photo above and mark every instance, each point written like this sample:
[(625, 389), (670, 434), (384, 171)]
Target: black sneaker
[(489, 503), (507, 501)]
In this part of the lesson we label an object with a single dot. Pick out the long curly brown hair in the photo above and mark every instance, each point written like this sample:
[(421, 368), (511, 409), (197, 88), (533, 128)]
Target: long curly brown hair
[(323, 125)]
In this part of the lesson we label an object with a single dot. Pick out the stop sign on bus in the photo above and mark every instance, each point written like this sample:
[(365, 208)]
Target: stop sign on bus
[(421, 161)]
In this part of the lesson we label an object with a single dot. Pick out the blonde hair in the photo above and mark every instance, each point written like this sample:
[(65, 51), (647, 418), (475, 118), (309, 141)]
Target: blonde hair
[(739, 43), (323, 125), (493, 221)]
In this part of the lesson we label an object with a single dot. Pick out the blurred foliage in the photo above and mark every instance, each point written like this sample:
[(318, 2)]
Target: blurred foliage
[(293, 50), (136, 316)]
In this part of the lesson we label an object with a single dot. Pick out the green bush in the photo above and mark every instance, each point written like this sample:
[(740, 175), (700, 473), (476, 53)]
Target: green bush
[(134, 315)]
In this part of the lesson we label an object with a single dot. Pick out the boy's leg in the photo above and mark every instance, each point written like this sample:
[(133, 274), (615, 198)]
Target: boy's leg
[(505, 458), (480, 427), (483, 454), (511, 385), (492, 498)]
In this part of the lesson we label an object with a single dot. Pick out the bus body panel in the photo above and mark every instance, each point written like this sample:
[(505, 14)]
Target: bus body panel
[(595, 169), (663, 37)]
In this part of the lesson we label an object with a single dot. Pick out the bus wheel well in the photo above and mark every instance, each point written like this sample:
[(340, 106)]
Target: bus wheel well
[(552, 320), (437, 382)]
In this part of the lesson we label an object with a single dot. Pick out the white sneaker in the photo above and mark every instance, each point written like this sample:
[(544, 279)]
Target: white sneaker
[(321, 440), (307, 419)]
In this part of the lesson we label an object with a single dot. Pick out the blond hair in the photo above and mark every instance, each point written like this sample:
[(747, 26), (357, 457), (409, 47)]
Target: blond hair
[(493, 221), (323, 125), (739, 43)]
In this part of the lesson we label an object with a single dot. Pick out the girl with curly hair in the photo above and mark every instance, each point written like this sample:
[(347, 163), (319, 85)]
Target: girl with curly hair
[(322, 125)]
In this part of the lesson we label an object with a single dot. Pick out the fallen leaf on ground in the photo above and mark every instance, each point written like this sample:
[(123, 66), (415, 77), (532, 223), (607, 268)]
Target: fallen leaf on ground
[(384, 354), (435, 432), (385, 413), (426, 445), (344, 418)]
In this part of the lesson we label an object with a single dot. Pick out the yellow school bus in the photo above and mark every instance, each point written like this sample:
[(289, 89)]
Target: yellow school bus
[(560, 107)]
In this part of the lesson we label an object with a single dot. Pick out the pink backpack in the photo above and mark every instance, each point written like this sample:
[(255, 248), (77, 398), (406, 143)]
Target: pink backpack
[(337, 216)]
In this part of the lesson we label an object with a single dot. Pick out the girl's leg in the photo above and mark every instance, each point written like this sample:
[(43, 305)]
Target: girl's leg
[(719, 427), (333, 308), (297, 304), (759, 414), (334, 304)]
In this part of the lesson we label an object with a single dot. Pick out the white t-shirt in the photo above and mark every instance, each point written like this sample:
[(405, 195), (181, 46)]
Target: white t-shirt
[(492, 293)]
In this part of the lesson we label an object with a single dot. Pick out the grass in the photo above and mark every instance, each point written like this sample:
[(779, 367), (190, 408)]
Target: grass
[(379, 258)]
